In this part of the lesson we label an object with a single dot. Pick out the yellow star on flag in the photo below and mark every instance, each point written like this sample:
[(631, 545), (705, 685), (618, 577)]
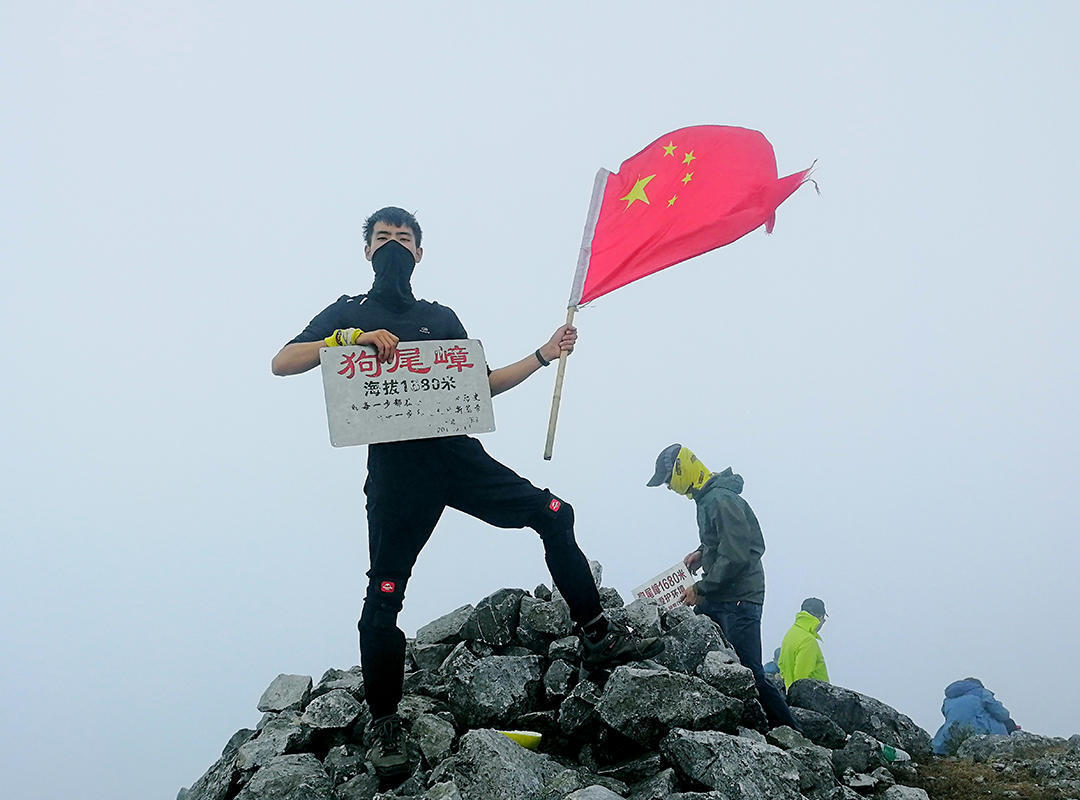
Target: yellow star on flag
[(669, 149), (671, 202), (638, 192), (689, 157), (689, 176)]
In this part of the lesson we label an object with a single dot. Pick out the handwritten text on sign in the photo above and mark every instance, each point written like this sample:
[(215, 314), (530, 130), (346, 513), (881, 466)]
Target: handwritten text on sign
[(427, 389), (666, 588)]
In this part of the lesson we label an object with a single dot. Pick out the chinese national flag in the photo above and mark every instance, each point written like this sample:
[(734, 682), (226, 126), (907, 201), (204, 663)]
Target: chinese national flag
[(690, 191)]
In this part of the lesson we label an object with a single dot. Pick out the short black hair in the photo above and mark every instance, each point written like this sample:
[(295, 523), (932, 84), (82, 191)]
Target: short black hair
[(392, 215)]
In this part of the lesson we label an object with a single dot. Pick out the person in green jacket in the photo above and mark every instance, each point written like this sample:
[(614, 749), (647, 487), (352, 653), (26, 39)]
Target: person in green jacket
[(800, 652)]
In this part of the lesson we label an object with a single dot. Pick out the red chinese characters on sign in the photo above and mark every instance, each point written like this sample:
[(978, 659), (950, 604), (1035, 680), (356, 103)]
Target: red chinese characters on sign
[(454, 357), (409, 359), (360, 363)]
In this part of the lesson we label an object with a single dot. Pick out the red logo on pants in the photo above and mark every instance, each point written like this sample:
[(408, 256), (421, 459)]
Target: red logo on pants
[(387, 586), (555, 504)]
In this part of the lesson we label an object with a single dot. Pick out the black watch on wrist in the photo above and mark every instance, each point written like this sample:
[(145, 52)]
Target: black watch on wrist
[(543, 361)]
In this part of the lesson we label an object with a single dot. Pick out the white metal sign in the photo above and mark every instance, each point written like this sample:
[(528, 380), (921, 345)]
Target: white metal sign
[(666, 588), (437, 388)]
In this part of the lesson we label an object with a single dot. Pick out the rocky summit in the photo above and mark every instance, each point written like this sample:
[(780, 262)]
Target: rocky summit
[(685, 726)]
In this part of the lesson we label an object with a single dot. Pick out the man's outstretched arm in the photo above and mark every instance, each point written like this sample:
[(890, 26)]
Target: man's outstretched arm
[(292, 359), (564, 338)]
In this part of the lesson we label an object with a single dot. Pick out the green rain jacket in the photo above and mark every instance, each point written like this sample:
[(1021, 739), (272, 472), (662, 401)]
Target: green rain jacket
[(731, 543), (800, 653)]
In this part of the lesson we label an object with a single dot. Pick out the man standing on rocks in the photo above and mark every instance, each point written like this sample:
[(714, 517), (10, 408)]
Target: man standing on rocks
[(410, 483), (732, 586), (800, 653)]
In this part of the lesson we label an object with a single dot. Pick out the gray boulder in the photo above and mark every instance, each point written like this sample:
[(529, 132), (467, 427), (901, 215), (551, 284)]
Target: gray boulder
[(641, 615), (861, 753), (904, 793), (686, 645), (659, 787), (593, 793), (489, 765), (853, 711), (443, 791), (787, 738), (286, 693), (362, 787), (496, 689), (550, 618), (495, 618), (577, 713), (722, 670), (568, 649), (644, 705), (289, 777), (216, 781), (280, 735), (434, 736), (1017, 746), (736, 767), (431, 656), (610, 598), (675, 617), (351, 680), (337, 709), (818, 728), (345, 762), (447, 629), (559, 680), (634, 770)]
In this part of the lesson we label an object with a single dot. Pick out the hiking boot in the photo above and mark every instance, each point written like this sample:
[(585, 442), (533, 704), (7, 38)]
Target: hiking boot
[(619, 645), (388, 752)]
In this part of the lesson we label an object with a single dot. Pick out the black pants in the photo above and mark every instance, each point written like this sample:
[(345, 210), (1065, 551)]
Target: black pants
[(741, 624), (408, 486)]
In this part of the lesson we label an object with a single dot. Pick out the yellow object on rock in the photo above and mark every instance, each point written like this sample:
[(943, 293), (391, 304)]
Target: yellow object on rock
[(527, 739)]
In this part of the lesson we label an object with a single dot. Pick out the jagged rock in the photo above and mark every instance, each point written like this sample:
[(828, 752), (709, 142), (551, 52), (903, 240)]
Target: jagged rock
[(543, 722), (414, 785), (567, 649), (559, 680), (675, 617), (216, 781), (447, 629), (431, 656), (904, 793), (533, 642), (434, 736), (488, 765), (733, 765), (460, 659), (344, 762), (496, 689), (495, 618), (816, 777), (286, 693), (351, 680), (685, 646), (818, 728), (593, 793), (237, 740), (853, 711), (426, 682), (752, 734), (658, 787), (610, 598), (333, 710), (994, 747), (289, 777), (414, 705), (644, 705), (722, 670), (542, 592), (641, 615), (859, 781), (861, 753), (578, 711), (280, 735), (443, 791), (634, 770), (551, 618), (787, 738), (841, 793), (883, 777)]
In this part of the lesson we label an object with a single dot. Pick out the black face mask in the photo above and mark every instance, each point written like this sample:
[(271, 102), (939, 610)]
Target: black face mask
[(393, 265)]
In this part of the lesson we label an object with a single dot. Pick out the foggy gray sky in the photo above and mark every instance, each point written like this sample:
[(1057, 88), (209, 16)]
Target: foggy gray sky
[(893, 371)]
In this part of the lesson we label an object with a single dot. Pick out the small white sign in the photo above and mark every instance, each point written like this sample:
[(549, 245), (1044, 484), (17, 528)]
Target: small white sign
[(429, 389), (666, 588)]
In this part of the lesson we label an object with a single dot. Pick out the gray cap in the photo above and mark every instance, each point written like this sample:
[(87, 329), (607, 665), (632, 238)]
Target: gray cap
[(813, 605), (665, 462)]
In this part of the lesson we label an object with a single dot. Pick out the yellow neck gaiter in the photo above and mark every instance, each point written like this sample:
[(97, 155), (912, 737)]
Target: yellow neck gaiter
[(688, 475)]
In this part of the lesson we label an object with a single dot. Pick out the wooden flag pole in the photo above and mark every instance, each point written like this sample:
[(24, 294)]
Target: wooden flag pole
[(557, 396)]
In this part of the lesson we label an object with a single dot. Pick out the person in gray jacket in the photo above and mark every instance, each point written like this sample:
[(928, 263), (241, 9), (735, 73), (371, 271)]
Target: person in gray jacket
[(731, 590)]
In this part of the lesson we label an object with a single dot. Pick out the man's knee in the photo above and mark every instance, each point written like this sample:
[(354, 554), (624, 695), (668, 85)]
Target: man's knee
[(381, 605), (555, 523)]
